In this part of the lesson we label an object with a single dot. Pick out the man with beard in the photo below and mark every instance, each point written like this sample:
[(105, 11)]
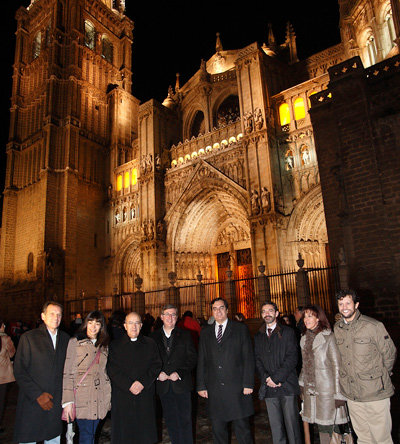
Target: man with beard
[(276, 352), (133, 366), (368, 355), (225, 374)]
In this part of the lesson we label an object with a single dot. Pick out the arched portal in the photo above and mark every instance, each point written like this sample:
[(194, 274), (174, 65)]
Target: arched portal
[(306, 232)]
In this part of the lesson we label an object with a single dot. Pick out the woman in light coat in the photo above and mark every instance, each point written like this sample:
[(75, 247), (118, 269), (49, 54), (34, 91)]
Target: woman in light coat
[(7, 351), (87, 355), (319, 378)]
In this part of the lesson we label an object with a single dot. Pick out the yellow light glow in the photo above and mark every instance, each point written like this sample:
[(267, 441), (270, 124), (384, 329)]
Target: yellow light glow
[(299, 109), (187, 157), (126, 180), (216, 146), (174, 163), (134, 176), (284, 114), (232, 139), (119, 182), (225, 142), (239, 137), (201, 151), (180, 160), (311, 94), (194, 155), (208, 148)]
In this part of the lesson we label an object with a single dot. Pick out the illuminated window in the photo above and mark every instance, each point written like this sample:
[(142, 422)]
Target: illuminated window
[(37, 45), (107, 49), (119, 182), (90, 35), (134, 176), (126, 180), (284, 114), (311, 94), (299, 110)]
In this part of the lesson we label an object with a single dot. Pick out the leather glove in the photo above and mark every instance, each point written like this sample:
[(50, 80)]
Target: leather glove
[(45, 401), (339, 403)]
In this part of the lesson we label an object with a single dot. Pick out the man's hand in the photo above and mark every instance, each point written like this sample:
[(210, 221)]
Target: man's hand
[(45, 401), (247, 391), (203, 393), (173, 376), (136, 388), (162, 376), (271, 383)]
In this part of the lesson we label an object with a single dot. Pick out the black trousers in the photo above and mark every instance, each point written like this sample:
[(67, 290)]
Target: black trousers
[(240, 426), (284, 419), (177, 411)]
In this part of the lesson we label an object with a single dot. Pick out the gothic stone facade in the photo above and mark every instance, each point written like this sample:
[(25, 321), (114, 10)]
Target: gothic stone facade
[(223, 174)]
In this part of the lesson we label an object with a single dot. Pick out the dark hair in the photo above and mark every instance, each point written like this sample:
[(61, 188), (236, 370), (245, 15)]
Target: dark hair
[(347, 292), (317, 311), (168, 307), (270, 303), (102, 339), (188, 313), (47, 303), (219, 299)]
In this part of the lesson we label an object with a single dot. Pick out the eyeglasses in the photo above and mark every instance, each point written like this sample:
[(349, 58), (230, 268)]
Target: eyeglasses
[(170, 315)]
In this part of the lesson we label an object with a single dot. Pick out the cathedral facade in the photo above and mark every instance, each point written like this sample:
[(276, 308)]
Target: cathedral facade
[(221, 176)]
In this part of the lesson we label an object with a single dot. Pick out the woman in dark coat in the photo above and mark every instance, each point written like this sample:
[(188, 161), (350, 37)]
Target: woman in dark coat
[(133, 366)]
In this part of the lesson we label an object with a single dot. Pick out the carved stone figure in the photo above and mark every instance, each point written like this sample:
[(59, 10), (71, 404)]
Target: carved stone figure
[(265, 199), (255, 202), (258, 119), (305, 155)]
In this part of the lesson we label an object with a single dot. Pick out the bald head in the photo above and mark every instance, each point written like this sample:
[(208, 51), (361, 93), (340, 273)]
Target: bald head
[(133, 324)]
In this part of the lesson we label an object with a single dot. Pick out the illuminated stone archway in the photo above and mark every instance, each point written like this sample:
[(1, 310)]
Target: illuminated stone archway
[(306, 232), (126, 265), (209, 218)]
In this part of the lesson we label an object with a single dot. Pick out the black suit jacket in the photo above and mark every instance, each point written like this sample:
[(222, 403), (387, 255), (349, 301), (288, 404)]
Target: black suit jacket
[(225, 369), (181, 359)]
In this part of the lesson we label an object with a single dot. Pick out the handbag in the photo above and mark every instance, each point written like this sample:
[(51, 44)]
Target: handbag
[(345, 435), (72, 416)]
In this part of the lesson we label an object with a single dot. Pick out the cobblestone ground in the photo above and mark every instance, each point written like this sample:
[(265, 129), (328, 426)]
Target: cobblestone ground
[(260, 424)]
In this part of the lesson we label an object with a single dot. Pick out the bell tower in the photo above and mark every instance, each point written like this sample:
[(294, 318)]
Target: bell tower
[(72, 64)]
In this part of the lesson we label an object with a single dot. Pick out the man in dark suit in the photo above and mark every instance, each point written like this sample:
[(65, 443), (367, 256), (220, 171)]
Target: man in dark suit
[(174, 383), (225, 375), (276, 351), (38, 369)]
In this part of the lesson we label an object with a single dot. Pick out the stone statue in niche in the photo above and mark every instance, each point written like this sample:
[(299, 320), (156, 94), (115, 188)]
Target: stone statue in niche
[(258, 119), (265, 199), (305, 155), (151, 229), (146, 164), (255, 202), (124, 214), (248, 122), (158, 162), (117, 217), (110, 191), (289, 161)]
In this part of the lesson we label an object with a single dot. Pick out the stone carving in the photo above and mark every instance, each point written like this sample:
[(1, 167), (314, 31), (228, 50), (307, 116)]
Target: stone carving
[(255, 202), (117, 218), (148, 230), (258, 119), (248, 122), (161, 229), (266, 199), (146, 164), (289, 161), (253, 121), (158, 162), (305, 156)]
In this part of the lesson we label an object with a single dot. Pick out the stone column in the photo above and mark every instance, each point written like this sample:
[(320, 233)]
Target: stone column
[(302, 285), (230, 293), (264, 291), (200, 296), (172, 296), (138, 300)]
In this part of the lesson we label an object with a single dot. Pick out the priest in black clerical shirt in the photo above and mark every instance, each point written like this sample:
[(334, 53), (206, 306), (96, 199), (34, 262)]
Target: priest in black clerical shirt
[(174, 382), (133, 366)]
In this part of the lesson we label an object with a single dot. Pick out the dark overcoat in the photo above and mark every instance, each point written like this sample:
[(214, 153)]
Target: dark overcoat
[(133, 417), (225, 369), (39, 368), (277, 357), (181, 359)]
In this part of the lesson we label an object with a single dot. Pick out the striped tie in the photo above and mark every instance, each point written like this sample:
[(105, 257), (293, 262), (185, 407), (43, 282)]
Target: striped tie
[(219, 334)]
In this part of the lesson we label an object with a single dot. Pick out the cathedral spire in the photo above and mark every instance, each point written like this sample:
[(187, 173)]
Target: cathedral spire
[(218, 44), (271, 38), (177, 86)]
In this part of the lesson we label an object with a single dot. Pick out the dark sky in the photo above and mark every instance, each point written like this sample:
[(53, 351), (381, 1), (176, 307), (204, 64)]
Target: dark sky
[(171, 37)]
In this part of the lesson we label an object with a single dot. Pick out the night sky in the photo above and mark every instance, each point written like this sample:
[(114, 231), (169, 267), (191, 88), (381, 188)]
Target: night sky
[(171, 37)]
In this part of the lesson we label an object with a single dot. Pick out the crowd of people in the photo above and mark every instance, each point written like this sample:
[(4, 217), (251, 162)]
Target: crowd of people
[(333, 375)]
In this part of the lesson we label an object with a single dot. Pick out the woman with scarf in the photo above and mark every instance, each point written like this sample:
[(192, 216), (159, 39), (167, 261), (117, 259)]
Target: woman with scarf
[(86, 386), (319, 378)]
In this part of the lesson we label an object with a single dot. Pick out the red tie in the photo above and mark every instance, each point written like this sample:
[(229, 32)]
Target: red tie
[(269, 330)]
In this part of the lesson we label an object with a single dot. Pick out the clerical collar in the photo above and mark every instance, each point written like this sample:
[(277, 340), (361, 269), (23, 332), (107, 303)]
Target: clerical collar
[(133, 339)]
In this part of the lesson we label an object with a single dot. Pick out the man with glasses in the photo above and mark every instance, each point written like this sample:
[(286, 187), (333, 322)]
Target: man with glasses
[(133, 366), (225, 375), (174, 382)]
